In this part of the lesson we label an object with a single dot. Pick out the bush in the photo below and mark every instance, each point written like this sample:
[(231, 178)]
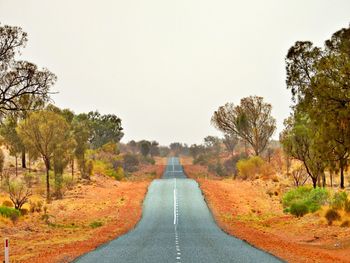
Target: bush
[(9, 212), (339, 200), (345, 223), (28, 179), (131, 163), (217, 168), (7, 203), (312, 198), (96, 224), (332, 215), (249, 168), (299, 209), (35, 206)]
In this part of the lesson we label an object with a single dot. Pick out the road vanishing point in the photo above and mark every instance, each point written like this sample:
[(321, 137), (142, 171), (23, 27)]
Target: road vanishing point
[(176, 227)]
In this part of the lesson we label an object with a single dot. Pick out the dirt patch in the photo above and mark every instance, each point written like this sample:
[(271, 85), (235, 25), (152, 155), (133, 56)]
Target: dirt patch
[(88, 216), (252, 211)]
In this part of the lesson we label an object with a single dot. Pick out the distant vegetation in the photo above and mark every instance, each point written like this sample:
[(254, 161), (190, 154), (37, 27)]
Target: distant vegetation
[(45, 150)]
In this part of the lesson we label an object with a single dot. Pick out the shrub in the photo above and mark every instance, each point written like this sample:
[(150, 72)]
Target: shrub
[(339, 199), (217, 168), (299, 209), (96, 224), (347, 206), (332, 215), (345, 223), (313, 199), (7, 203), (9, 212), (28, 179), (24, 211), (249, 168), (35, 206), (131, 163)]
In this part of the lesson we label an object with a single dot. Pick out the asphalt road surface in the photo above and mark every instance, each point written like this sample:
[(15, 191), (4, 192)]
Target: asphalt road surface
[(176, 226)]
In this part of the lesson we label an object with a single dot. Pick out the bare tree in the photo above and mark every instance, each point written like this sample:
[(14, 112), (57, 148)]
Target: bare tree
[(299, 176), (19, 193), (251, 121)]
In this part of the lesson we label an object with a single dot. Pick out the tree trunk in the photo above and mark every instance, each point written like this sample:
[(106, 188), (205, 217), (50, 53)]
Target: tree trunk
[(319, 181), (341, 176), (47, 164), (16, 166), (331, 178), (324, 182), (342, 167), (314, 182), (24, 159), (72, 164)]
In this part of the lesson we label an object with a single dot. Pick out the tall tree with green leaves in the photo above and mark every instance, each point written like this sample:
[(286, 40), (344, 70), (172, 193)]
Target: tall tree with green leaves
[(43, 133), (319, 81)]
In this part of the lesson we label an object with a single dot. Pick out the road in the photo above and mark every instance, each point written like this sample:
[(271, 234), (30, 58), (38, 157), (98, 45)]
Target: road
[(176, 226)]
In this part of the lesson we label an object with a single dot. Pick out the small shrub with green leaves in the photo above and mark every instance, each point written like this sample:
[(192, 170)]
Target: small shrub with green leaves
[(311, 198), (332, 215), (9, 212), (299, 209), (96, 224), (249, 168)]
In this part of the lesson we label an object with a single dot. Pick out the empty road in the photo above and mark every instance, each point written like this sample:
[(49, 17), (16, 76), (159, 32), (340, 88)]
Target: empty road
[(176, 226)]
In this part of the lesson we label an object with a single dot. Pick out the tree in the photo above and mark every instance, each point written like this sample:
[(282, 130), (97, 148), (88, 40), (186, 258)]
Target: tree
[(145, 147), (196, 150), (82, 131), (154, 151), (104, 128), (176, 148), (11, 138), (42, 133), (230, 141), (300, 141), (318, 79), (251, 121), (19, 79), (132, 146), (19, 193)]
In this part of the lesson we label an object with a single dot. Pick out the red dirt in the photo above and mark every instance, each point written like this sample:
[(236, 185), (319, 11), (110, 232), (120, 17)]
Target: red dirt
[(118, 205), (245, 209)]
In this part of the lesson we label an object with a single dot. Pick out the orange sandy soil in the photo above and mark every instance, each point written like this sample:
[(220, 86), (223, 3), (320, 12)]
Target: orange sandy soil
[(118, 205), (251, 211)]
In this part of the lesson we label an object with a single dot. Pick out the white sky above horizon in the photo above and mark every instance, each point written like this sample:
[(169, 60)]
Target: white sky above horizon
[(165, 66)]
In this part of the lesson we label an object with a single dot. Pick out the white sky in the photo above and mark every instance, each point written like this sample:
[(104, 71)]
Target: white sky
[(164, 66)]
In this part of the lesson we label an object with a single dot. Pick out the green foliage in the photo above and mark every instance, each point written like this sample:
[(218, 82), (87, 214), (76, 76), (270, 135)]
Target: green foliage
[(332, 215), (96, 224), (249, 168), (339, 200), (299, 209), (47, 134), (312, 198), (9, 212)]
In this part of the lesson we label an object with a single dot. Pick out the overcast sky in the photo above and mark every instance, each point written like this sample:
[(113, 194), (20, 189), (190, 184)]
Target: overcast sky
[(164, 66)]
